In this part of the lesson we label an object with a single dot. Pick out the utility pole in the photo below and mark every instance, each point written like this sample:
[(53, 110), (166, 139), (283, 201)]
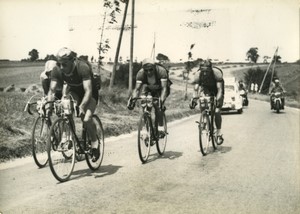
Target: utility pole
[(153, 49), (112, 78), (261, 85), (273, 68), (131, 48)]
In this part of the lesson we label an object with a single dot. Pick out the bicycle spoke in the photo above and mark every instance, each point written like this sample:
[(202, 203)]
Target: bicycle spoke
[(100, 136), (144, 138), (40, 135), (204, 138), (61, 153), (162, 140)]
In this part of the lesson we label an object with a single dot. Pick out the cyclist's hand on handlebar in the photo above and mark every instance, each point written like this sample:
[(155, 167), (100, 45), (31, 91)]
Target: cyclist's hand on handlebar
[(193, 103), (80, 111), (48, 109), (130, 104)]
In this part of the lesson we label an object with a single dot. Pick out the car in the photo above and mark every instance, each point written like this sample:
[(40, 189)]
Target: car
[(232, 98)]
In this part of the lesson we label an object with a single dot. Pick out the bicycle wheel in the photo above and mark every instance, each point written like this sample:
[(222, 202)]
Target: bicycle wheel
[(100, 136), (144, 138), (61, 154), (204, 133), (212, 131), (39, 137), (162, 142)]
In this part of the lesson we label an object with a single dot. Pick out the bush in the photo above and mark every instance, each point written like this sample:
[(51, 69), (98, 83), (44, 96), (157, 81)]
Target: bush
[(122, 74), (256, 75)]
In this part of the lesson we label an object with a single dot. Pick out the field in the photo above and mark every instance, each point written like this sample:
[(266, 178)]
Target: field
[(16, 125)]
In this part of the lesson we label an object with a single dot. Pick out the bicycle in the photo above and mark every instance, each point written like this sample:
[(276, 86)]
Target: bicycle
[(62, 155), (41, 128), (206, 124), (148, 134)]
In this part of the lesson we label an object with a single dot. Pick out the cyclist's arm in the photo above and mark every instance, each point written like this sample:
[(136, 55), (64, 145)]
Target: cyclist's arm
[(65, 90), (163, 95), (87, 86), (137, 90), (196, 90), (51, 93), (220, 90)]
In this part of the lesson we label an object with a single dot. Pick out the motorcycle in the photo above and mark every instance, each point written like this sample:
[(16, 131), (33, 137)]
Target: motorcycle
[(243, 94), (277, 104)]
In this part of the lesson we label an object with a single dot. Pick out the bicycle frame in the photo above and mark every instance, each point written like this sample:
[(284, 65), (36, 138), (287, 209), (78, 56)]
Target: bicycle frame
[(148, 134), (147, 103), (67, 110), (207, 107)]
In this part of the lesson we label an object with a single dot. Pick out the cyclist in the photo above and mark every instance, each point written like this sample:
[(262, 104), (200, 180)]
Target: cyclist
[(152, 79), (242, 88), (277, 88), (45, 77), (210, 82), (77, 77)]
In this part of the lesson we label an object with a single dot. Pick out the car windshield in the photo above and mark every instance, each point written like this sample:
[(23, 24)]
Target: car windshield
[(229, 87)]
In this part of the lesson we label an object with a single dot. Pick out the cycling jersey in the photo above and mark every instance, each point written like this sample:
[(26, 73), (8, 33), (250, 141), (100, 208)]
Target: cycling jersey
[(81, 72), (208, 79), (154, 82)]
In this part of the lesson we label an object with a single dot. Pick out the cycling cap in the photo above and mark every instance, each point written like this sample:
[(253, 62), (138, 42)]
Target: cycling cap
[(205, 63), (148, 61), (65, 54)]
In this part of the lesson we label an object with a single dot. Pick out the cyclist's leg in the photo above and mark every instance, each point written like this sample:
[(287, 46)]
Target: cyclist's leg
[(89, 123), (159, 117), (158, 111), (45, 85), (218, 118), (218, 121)]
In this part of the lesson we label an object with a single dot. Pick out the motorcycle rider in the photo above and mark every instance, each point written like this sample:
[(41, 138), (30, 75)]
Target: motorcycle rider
[(277, 88), (242, 88)]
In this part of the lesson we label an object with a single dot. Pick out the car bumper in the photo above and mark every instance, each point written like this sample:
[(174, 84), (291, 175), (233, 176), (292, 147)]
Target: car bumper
[(228, 106)]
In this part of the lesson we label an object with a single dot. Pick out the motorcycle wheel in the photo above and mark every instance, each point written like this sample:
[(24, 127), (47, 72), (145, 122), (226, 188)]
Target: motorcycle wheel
[(277, 105)]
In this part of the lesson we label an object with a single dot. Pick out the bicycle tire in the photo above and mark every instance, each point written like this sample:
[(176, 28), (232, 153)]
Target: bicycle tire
[(162, 142), (204, 133), (144, 138), (61, 161), (100, 136), (39, 142), (212, 131)]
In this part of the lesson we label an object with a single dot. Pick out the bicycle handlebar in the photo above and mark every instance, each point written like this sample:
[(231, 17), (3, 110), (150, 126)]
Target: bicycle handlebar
[(147, 98), (28, 104)]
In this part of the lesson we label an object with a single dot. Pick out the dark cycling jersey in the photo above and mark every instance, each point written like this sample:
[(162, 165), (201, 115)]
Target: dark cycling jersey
[(81, 72), (208, 79), (153, 83)]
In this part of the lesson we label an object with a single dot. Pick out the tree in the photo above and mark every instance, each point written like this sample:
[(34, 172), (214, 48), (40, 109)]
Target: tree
[(266, 59), (162, 58), (252, 55), (256, 75), (277, 59), (34, 55)]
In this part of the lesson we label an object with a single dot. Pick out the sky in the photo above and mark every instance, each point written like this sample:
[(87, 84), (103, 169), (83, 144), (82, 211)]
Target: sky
[(235, 27)]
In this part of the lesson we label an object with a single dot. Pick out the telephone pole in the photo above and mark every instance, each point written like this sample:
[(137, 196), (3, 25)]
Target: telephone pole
[(112, 78)]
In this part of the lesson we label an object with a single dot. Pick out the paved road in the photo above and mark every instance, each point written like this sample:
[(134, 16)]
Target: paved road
[(256, 170)]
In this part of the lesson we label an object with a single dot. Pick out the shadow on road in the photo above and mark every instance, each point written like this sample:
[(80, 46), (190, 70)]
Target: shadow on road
[(101, 172), (223, 149), (280, 112), (167, 155), (171, 155)]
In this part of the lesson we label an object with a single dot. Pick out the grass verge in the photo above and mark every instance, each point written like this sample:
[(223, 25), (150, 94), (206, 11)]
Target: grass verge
[(16, 125)]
